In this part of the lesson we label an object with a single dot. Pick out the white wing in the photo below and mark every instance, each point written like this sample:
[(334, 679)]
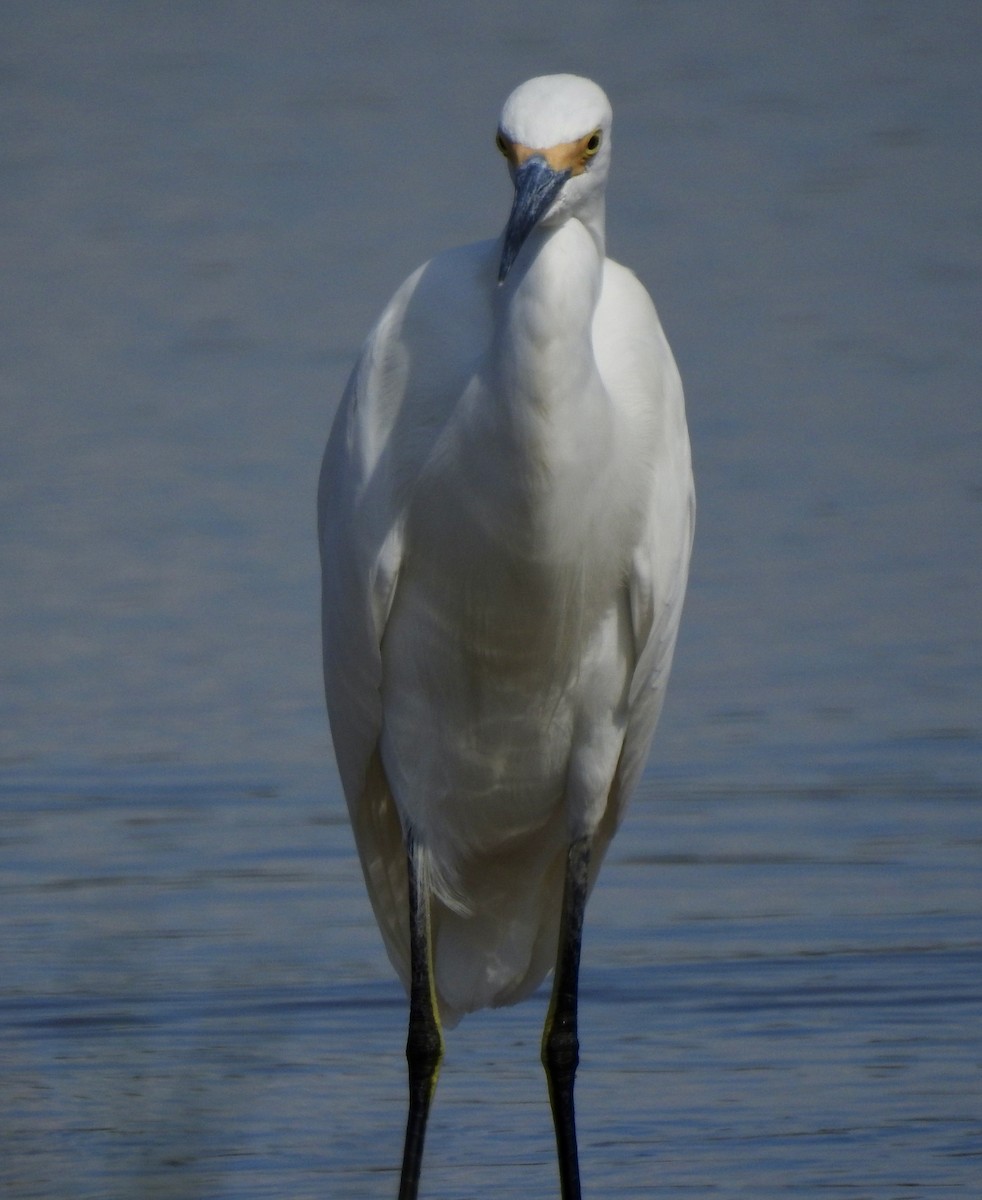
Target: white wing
[(411, 372), (640, 375)]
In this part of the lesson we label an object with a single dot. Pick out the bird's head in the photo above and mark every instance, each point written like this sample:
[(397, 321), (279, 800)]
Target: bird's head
[(555, 133)]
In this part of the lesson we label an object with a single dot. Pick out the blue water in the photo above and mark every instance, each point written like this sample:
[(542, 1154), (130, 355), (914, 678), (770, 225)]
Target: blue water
[(202, 209)]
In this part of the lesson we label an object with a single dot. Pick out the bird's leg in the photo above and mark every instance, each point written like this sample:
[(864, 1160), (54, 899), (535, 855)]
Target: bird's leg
[(424, 1045), (560, 1045)]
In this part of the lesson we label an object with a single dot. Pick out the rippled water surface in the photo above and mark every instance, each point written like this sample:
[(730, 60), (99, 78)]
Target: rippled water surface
[(782, 995), (202, 209)]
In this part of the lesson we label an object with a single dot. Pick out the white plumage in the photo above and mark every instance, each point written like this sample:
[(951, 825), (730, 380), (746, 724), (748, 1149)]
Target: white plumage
[(506, 513)]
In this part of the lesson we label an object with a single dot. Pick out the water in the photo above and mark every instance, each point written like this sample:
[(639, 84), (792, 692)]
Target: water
[(203, 207), (781, 996)]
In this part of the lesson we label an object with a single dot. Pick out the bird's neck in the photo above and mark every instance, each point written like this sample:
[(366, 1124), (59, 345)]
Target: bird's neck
[(542, 348), (549, 429)]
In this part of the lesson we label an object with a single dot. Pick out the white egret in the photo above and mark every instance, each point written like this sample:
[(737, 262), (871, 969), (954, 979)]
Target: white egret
[(506, 512)]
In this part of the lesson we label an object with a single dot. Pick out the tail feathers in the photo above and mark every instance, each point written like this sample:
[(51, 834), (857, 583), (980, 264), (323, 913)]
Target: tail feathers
[(502, 951), (495, 926)]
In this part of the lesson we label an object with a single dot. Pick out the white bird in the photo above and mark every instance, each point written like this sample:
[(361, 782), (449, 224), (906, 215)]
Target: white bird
[(506, 513)]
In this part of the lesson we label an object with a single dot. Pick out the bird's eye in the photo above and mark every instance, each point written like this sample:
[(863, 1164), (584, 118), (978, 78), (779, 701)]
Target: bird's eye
[(593, 144), (501, 142)]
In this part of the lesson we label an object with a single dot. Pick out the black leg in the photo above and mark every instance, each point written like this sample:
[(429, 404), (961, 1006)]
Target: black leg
[(424, 1045), (560, 1045)]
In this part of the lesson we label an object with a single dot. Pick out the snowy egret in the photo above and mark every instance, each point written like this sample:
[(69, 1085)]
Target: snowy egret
[(506, 512)]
